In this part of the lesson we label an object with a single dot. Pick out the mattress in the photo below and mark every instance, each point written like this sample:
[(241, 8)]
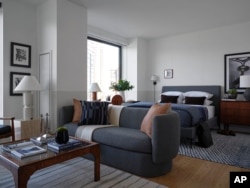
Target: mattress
[(190, 115), (210, 110)]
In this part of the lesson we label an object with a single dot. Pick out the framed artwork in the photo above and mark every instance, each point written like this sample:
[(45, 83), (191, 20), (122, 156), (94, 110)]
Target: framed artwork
[(15, 78), (236, 65), (20, 55), (168, 73)]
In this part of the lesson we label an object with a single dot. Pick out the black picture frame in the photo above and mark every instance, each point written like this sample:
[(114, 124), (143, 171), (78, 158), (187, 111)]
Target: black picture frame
[(236, 65), (15, 78), (20, 55), (168, 73)]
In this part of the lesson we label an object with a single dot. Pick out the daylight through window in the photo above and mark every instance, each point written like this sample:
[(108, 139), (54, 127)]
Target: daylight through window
[(104, 60)]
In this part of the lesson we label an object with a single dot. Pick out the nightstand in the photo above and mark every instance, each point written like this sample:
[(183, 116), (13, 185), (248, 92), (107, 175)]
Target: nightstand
[(27, 128), (234, 112)]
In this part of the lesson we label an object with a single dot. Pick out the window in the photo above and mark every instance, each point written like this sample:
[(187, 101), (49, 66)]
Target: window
[(104, 65)]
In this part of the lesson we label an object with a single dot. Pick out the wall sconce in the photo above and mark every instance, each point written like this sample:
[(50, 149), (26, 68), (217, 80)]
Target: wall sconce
[(94, 88), (26, 85), (154, 78), (245, 83)]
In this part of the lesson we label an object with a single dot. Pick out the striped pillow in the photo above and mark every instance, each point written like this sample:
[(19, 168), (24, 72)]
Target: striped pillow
[(94, 113)]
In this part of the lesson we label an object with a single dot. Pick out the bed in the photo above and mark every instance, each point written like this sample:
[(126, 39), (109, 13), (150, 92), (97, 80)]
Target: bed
[(193, 115)]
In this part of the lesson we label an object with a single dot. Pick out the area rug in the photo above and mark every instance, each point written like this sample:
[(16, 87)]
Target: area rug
[(230, 150), (77, 173)]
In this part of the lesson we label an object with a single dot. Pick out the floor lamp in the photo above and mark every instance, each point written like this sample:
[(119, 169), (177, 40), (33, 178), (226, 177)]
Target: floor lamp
[(154, 79), (94, 88), (26, 86)]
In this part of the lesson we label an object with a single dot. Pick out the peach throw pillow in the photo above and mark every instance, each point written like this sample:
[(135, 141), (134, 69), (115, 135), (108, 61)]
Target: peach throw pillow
[(77, 111), (156, 109)]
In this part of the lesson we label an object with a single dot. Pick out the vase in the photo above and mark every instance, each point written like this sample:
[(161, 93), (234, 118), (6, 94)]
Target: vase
[(62, 137), (122, 93)]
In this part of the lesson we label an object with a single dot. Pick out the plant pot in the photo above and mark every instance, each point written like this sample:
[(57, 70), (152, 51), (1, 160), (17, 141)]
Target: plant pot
[(62, 137), (232, 96)]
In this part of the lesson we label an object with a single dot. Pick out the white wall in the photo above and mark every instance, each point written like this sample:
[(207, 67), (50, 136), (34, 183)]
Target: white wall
[(19, 25), (62, 27), (197, 58), (129, 68), (58, 26), (142, 76), (71, 53), (1, 62), (134, 69)]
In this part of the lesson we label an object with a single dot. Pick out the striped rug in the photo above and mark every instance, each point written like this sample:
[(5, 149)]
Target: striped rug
[(77, 173), (230, 150)]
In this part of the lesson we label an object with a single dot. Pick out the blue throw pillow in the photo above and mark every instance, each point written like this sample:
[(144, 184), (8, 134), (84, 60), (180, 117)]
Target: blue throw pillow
[(94, 113)]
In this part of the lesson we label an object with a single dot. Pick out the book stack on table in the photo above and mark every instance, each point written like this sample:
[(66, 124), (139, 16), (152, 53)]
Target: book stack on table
[(23, 149), (53, 146)]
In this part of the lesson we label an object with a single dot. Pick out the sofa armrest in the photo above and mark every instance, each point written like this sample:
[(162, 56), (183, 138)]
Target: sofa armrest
[(165, 137)]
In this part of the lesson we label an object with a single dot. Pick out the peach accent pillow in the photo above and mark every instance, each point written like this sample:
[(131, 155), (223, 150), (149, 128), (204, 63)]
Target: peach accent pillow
[(156, 109), (77, 111)]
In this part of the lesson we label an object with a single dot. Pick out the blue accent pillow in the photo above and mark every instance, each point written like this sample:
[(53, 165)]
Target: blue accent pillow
[(94, 113)]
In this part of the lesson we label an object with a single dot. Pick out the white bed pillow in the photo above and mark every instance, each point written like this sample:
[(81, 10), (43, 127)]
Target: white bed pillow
[(175, 93), (207, 102), (198, 94)]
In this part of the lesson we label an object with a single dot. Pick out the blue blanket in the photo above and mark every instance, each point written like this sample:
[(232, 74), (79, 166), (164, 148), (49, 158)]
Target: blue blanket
[(189, 115)]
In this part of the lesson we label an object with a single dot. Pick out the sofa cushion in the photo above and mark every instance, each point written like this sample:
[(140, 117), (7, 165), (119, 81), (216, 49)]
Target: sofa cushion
[(77, 111), (72, 127), (123, 138), (94, 113), (131, 117), (156, 109)]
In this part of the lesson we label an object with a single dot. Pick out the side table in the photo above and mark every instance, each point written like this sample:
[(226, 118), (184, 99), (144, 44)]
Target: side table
[(27, 128), (234, 112)]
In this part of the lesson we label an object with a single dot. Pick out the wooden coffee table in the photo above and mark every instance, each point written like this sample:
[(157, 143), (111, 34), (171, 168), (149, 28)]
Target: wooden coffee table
[(22, 169)]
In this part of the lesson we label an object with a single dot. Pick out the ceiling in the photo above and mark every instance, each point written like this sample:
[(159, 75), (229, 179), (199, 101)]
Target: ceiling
[(160, 18)]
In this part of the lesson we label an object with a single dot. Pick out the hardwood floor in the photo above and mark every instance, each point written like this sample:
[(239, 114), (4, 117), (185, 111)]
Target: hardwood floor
[(190, 172)]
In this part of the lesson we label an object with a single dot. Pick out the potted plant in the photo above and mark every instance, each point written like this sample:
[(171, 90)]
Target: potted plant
[(232, 93), (62, 135), (121, 86)]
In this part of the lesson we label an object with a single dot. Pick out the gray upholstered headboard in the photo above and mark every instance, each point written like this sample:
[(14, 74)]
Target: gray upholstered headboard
[(214, 89)]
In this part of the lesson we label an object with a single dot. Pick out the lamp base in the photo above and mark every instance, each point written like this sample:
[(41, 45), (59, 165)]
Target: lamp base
[(247, 94), (27, 106), (94, 96), (27, 113)]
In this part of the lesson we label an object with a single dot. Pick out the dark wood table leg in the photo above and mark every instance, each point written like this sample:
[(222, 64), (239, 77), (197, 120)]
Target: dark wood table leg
[(22, 175), (226, 131), (21, 179), (96, 154)]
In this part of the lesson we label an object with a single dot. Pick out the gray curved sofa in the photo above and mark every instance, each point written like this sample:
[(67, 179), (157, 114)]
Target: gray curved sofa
[(125, 147)]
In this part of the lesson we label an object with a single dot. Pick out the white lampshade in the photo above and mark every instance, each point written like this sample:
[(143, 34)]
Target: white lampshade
[(245, 81), (28, 83), (154, 78), (94, 87)]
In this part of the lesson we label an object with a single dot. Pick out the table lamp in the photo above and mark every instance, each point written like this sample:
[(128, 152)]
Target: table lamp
[(26, 85), (94, 88), (245, 83)]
